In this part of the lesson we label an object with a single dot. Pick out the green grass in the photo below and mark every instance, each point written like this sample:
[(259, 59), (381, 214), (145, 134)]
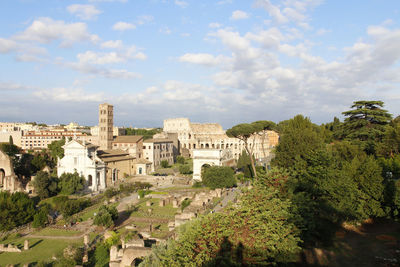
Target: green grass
[(40, 250), (163, 230), (57, 232), (167, 211), (88, 213)]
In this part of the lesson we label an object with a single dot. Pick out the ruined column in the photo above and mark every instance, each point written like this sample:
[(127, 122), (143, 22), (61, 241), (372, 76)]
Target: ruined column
[(26, 244)]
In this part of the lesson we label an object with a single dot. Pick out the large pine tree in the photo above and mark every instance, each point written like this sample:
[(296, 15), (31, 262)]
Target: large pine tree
[(365, 124)]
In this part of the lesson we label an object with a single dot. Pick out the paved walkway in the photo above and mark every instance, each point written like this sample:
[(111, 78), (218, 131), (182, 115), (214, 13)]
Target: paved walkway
[(229, 198)]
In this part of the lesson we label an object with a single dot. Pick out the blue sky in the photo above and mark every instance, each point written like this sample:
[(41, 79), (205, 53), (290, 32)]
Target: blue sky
[(225, 61)]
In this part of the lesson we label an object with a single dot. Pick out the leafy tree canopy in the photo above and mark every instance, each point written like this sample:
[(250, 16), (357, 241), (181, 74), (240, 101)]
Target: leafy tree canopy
[(365, 124), (70, 183), (45, 185), (218, 177)]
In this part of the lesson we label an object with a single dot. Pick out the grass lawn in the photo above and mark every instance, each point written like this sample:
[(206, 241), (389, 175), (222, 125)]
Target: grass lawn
[(167, 211), (40, 250), (57, 232)]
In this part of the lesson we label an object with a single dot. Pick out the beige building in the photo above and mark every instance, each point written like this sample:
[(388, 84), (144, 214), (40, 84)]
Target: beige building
[(133, 144), (117, 131), (157, 150), (41, 139), (106, 122), (212, 136)]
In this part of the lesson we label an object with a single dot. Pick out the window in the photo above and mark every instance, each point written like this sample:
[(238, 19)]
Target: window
[(75, 161)]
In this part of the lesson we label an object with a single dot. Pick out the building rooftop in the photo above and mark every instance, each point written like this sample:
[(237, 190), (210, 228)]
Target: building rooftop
[(128, 139), (160, 140)]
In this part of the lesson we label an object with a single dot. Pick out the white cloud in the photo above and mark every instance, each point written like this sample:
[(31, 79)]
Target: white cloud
[(99, 1), (322, 31), (7, 46), (104, 72), (201, 59), (273, 10), (90, 57), (68, 95), (215, 25), (181, 4), (143, 19), (224, 2), (239, 14), (112, 44), (46, 30), (165, 30), (123, 26), (85, 12)]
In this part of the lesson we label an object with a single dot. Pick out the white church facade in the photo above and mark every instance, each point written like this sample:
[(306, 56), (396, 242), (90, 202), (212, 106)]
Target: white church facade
[(82, 158)]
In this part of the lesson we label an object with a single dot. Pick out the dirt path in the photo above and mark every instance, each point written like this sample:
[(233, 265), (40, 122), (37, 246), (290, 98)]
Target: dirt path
[(370, 245)]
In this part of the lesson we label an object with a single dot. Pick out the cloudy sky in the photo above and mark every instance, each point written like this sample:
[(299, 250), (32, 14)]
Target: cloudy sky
[(225, 61)]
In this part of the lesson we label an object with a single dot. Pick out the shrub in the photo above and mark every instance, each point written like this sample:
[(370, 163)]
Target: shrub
[(197, 184), (70, 183), (218, 177), (180, 160), (110, 192), (142, 193), (40, 219), (185, 204), (185, 169), (45, 185), (106, 216), (73, 206), (15, 209), (164, 164)]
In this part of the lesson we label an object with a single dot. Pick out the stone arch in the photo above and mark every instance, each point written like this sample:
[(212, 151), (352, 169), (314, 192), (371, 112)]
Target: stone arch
[(207, 145)]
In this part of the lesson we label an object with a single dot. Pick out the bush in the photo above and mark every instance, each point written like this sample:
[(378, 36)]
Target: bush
[(45, 185), (15, 209), (72, 206), (197, 184), (180, 160), (218, 177), (40, 219), (110, 192), (106, 216), (70, 183), (164, 164), (102, 255), (142, 193), (185, 169), (185, 204)]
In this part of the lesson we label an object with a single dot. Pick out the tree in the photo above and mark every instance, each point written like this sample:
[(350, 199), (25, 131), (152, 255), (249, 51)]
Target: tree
[(45, 185), (56, 150), (244, 164), (365, 124), (185, 169), (70, 183), (164, 164), (15, 209), (243, 132), (180, 160), (262, 127), (72, 206), (298, 137), (10, 140), (257, 232), (218, 177), (40, 219), (106, 216)]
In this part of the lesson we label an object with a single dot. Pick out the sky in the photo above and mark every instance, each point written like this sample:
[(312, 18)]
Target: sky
[(223, 61)]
